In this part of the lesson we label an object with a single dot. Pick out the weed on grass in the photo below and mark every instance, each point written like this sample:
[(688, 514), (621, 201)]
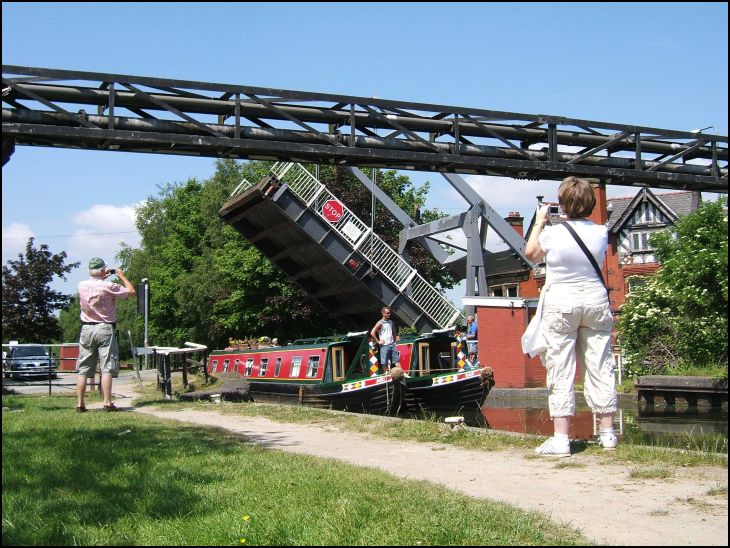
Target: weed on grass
[(651, 473)]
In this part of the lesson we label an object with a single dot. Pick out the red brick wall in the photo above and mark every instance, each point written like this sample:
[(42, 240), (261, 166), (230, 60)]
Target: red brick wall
[(500, 347)]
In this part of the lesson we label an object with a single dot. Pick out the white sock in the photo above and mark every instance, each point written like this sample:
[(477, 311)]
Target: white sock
[(561, 437), (606, 431)]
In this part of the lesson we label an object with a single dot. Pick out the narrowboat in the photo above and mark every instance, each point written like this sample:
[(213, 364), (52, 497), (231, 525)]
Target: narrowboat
[(435, 377), (342, 372), (332, 372)]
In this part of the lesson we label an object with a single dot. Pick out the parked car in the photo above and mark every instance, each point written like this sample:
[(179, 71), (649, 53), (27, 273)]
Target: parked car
[(29, 360)]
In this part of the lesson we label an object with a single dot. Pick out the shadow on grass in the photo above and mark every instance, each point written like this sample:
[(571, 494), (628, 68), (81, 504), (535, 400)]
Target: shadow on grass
[(89, 469)]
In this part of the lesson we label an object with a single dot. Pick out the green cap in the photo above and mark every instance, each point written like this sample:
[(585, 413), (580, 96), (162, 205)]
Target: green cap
[(96, 263)]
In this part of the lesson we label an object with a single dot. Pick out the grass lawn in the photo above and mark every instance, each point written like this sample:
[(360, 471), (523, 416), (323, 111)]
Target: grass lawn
[(127, 479)]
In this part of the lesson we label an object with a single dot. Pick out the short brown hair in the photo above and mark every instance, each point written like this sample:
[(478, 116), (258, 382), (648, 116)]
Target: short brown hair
[(576, 197)]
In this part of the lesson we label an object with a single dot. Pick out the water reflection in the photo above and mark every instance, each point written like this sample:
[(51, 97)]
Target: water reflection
[(693, 428)]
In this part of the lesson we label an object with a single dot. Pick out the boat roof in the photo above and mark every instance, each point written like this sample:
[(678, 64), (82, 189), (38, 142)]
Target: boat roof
[(298, 344)]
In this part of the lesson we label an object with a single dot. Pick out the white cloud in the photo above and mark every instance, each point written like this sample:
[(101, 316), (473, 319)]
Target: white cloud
[(15, 237), (102, 228)]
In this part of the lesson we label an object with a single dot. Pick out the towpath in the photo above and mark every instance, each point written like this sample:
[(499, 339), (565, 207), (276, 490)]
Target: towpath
[(601, 499)]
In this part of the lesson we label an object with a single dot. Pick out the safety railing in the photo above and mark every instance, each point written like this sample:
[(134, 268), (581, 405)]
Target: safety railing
[(359, 235)]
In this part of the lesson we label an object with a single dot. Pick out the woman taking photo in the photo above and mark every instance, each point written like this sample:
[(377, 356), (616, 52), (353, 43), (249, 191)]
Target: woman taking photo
[(576, 316)]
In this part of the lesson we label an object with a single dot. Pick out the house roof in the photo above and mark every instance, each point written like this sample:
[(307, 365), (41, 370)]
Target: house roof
[(499, 263), (673, 205)]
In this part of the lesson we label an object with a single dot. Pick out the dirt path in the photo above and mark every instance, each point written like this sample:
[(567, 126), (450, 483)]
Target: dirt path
[(601, 499)]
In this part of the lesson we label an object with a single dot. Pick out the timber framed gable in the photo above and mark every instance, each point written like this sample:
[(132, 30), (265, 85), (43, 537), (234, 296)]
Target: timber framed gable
[(644, 215)]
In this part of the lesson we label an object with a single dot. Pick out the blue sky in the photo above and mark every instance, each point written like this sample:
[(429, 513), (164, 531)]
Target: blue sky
[(652, 64)]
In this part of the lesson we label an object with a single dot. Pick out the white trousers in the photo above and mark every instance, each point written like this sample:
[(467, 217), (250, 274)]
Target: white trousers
[(577, 323)]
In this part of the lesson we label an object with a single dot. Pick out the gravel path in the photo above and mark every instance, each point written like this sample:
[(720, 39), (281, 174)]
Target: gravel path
[(601, 499)]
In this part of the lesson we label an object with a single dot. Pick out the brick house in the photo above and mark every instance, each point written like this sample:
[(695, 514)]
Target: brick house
[(503, 314), (630, 222)]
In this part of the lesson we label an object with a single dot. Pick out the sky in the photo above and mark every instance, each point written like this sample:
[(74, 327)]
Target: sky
[(651, 64)]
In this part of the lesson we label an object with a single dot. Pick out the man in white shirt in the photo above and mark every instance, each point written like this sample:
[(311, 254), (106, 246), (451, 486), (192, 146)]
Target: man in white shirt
[(384, 332)]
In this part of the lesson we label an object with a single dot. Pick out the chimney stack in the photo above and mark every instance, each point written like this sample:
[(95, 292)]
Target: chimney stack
[(515, 219), (600, 212)]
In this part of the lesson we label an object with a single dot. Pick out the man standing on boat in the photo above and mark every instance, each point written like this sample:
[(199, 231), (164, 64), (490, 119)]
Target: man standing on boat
[(385, 333)]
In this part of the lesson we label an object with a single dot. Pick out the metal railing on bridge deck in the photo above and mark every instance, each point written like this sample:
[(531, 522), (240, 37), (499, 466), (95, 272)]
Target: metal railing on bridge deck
[(361, 238)]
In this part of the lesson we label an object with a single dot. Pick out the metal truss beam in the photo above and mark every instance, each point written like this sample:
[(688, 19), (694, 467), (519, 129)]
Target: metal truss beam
[(48, 107)]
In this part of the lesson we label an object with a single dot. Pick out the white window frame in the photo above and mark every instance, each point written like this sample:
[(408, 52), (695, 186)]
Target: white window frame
[(249, 366), (635, 281), (505, 289), (263, 364), (642, 237), (296, 366), (312, 366)]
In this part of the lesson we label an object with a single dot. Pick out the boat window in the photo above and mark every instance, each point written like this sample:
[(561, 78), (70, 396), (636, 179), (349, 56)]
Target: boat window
[(312, 366), (262, 366), (237, 365), (277, 367), (213, 366), (226, 365), (338, 362), (249, 366), (424, 359), (296, 364)]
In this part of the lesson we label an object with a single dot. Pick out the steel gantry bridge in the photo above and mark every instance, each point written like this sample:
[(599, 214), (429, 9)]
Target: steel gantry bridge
[(73, 109), (99, 111)]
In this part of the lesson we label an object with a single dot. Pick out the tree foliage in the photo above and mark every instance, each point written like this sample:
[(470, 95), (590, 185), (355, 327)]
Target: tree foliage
[(678, 320), (209, 284), (29, 303)]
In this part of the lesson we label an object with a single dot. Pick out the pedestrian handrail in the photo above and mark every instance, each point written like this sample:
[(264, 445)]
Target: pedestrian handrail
[(358, 234)]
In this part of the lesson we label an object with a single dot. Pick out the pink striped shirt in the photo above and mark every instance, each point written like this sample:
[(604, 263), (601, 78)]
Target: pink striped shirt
[(96, 298)]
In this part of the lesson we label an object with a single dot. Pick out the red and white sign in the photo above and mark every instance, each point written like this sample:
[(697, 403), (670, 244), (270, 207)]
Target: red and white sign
[(332, 211)]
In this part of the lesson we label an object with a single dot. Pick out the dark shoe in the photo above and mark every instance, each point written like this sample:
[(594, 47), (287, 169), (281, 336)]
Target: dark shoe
[(111, 407), (81, 409)]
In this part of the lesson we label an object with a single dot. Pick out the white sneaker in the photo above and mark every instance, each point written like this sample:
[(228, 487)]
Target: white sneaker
[(553, 447), (608, 442)]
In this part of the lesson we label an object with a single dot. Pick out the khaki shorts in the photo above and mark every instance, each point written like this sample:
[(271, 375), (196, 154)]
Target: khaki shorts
[(98, 343)]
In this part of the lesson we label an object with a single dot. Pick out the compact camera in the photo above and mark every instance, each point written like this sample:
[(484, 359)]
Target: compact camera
[(112, 271), (554, 211)]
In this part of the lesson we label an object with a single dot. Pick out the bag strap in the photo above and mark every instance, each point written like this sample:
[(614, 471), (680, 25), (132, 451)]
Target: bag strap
[(590, 256)]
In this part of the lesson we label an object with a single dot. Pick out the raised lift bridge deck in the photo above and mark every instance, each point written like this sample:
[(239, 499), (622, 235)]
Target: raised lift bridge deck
[(341, 263)]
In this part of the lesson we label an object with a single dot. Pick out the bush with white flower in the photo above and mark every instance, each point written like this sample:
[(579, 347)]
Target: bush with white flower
[(677, 321)]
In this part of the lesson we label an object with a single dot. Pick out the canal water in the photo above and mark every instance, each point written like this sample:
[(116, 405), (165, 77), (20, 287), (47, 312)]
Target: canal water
[(697, 428)]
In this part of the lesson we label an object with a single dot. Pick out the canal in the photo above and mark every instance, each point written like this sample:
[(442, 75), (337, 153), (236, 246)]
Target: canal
[(681, 426)]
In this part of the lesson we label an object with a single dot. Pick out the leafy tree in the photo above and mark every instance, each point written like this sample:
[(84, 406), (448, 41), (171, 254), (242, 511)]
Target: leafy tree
[(28, 301), (408, 197), (69, 320), (678, 320), (209, 284)]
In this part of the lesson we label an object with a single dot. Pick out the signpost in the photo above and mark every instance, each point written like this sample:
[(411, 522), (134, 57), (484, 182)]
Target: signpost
[(143, 308), (332, 211)]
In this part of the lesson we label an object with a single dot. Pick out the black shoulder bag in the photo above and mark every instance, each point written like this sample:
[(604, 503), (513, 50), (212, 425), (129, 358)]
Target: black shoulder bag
[(590, 256)]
